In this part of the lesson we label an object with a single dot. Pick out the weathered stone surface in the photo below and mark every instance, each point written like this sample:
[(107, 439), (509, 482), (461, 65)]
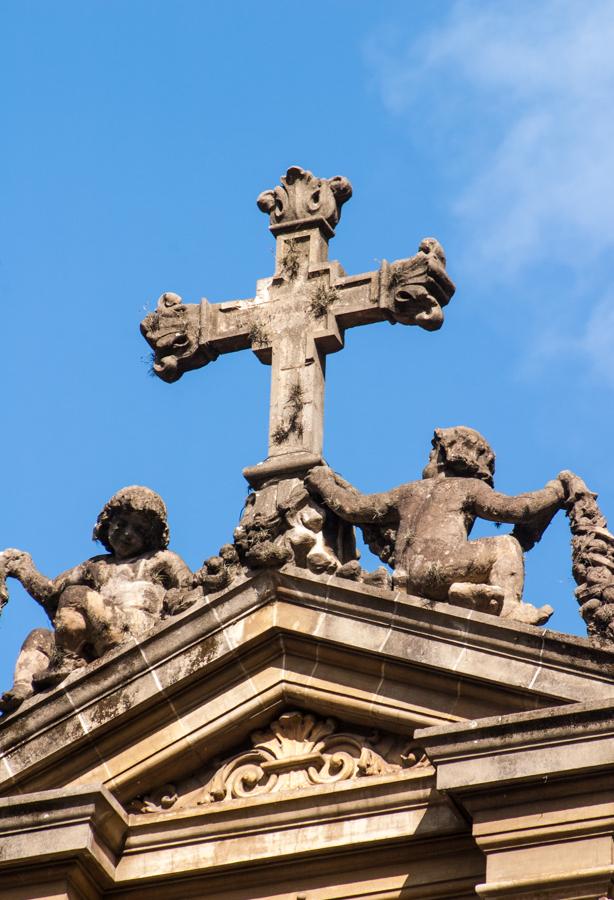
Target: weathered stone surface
[(282, 523), (300, 314), (302, 196), (216, 574), (421, 528), (345, 840), (180, 703), (102, 602), (537, 787), (154, 710), (89, 822)]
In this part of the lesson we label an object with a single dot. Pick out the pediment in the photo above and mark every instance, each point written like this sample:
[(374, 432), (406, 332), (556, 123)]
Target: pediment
[(192, 691)]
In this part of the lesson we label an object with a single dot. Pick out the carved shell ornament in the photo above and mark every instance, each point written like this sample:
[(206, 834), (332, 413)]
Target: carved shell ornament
[(302, 196), (298, 750)]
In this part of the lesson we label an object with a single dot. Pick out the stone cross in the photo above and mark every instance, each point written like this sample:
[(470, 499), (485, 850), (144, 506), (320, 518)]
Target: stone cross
[(299, 315)]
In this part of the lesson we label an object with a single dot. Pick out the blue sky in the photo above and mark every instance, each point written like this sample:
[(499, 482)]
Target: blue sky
[(136, 138)]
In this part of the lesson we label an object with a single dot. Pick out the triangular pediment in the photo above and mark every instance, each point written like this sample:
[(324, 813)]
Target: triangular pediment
[(189, 695)]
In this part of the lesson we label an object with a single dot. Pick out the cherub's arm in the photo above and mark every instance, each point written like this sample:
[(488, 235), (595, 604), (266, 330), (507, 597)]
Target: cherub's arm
[(172, 572), (18, 564), (530, 512), (178, 579), (345, 500)]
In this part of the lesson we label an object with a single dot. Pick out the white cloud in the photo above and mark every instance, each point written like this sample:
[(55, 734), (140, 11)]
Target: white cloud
[(586, 349), (598, 340), (517, 99)]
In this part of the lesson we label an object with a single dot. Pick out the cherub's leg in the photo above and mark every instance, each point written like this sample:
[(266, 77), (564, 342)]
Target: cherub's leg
[(105, 629), (464, 567), (507, 570), (507, 573), (33, 659), (71, 638), (486, 574)]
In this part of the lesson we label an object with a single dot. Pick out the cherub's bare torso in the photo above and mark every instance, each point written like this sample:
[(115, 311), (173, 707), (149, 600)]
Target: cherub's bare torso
[(134, 589), (431, 520), (432, 514)]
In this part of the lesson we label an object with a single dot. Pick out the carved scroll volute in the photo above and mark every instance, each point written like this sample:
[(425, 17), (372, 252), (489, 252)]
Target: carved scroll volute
[(416, 289), (297, 750), (301, 196), (173, 333)]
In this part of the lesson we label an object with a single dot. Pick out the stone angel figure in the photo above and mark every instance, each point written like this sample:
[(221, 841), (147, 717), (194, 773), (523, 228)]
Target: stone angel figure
[(105, 600), (421, 529)]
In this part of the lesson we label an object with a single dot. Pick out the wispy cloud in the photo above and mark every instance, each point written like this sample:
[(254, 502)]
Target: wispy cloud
[(586, 350), (515, 100)]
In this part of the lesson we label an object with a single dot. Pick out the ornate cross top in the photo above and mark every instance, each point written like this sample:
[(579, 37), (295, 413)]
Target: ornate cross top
[(300, 314)]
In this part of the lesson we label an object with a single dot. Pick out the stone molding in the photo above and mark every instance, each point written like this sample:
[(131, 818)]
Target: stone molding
[(350, 837), (82, 828), (518, 748), (199, 685), (197, 688), (538, 789)]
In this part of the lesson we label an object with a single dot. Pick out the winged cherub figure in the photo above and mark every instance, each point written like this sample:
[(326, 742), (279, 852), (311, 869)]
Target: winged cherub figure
[(422, 528), (103, 601)]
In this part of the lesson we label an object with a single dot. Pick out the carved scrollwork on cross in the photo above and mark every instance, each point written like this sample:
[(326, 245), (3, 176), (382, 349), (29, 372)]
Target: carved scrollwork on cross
[(417, 288), (174, 334), (297, 750), (302, 196)]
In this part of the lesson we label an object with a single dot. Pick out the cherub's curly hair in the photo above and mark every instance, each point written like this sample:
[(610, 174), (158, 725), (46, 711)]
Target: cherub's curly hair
[(466, 452), (135, 499)]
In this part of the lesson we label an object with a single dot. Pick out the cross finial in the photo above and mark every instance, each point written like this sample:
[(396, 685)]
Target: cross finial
[(305, 208), (302, 200)]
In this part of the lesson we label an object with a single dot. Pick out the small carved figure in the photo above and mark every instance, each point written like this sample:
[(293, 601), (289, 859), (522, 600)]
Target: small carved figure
[(103, 601), (219, 572), (421, 528), (274, 531)]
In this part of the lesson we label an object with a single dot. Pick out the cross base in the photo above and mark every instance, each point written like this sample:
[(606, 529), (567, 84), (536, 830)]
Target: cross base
[(278, 468)]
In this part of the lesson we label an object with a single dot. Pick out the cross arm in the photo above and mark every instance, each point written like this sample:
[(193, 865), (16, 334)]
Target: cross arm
[(410, 291), (185, 336)]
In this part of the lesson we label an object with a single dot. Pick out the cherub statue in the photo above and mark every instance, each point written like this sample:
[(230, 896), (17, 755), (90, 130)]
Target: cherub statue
[(422, 528), (103, 601)]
